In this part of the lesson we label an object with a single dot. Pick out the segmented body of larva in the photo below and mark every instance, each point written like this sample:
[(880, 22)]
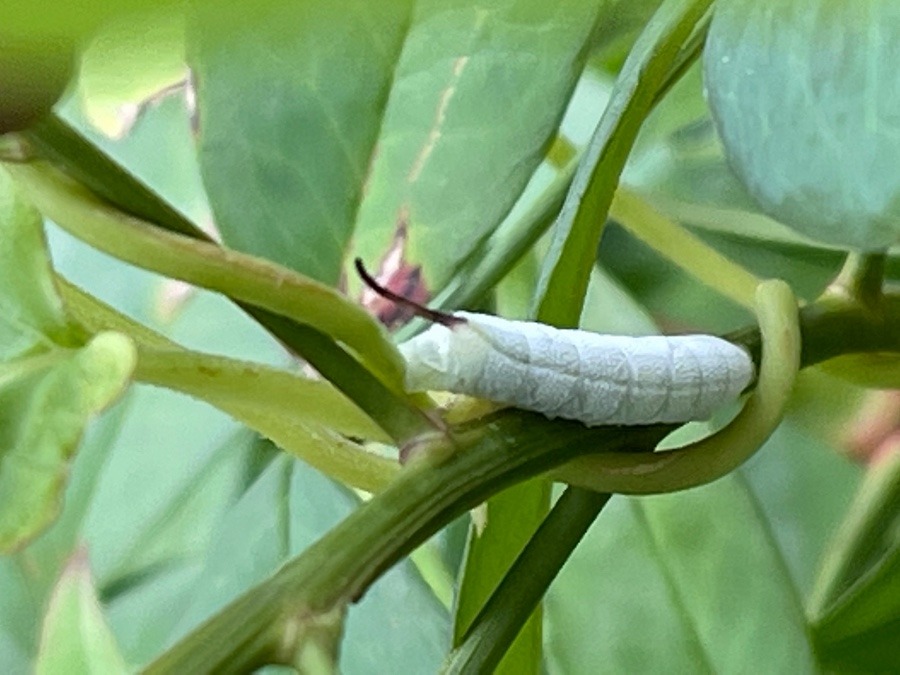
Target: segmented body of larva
[(574, 374)]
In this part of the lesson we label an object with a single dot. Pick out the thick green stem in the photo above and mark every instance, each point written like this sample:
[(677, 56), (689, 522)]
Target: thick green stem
[(507, 448), (341, 565)]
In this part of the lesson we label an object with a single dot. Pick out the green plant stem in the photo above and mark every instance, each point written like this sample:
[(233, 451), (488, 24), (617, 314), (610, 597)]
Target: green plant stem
[(281, 299), (304, 417), (54, 139), (507, 448), (507, 610), (646, 73), (861, 279), (340, 566), (834, 326), (244, 277), (683, 248)]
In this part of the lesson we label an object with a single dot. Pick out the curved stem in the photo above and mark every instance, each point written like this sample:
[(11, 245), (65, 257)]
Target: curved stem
[(286, 303), (244, 277), (307, 418), (724, 451)]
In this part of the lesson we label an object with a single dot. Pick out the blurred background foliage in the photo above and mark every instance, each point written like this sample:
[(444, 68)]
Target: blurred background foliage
[(178, 508)]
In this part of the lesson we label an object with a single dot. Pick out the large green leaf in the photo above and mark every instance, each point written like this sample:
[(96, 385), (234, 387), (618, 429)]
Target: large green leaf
[(49, 388), (804, 95), (290, 102), (478, 95), (697, 581), (75, 637)]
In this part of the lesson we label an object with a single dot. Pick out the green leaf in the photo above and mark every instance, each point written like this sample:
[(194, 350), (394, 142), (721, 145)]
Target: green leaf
[(679, 164), (31, 314), (804, 98), (159, 566), (224, 575), (856, 603), (290, 103), (48, 388), (478, 95), (28, 576), (877, 370), (75, 636), (45, 401), (685, 582)]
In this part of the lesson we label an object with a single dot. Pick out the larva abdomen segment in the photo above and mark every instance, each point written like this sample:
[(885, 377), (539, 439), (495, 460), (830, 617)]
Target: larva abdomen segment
[(596, 379)]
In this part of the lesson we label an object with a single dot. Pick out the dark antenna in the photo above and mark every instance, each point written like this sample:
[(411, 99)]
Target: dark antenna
[(443, 318)]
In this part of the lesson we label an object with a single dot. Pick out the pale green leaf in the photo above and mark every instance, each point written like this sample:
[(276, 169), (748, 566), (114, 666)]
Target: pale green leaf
[(478, 95), (75, 636), (290, 102)]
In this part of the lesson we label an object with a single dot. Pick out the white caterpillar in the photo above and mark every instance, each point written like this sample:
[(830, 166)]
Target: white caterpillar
[(574, 374)]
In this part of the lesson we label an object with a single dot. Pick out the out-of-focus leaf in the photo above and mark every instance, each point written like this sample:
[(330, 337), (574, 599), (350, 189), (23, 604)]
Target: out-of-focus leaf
[(873, 370), (31, 314), (804, 99), (49, 388), (691, 582), (290, 102), (28, 576), (128, 64), (399, 626), (75, 636), (479, 93), (258, 522), (856, 603), (45, 401), (157, 572), (684, 248)]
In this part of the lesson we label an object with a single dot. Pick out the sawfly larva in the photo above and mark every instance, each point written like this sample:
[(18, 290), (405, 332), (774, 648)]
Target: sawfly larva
[(573, 374)]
